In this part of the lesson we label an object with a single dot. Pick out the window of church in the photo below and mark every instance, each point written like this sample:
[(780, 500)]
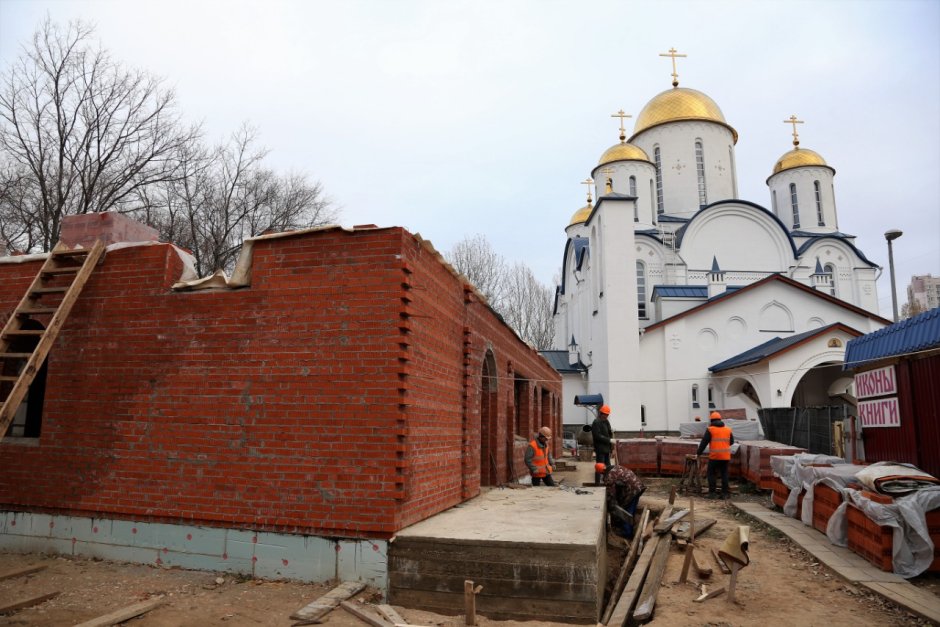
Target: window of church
[(657, 158), (695, 395), (773, 201), (831, 271), (643, 415), (819, 211), (795, 205), (711, 397), (652, 196), (700, 168), (636, 207), (641, 289)]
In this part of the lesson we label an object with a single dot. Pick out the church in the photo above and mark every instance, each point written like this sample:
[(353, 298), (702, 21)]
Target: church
[(677, 297)]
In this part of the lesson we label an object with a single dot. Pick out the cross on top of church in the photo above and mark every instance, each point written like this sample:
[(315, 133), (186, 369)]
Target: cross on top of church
[(672, 53), (588, 182), (623, 132), (794, 122)]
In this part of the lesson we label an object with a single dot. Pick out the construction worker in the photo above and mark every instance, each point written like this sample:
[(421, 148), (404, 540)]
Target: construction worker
[(623, 494), (602, 435), (718, 439), (538, 458)]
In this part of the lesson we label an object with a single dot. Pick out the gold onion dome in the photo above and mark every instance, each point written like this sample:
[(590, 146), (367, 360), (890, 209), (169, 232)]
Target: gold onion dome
[(581, 215), (798, 158), (623, 152), (680, 104)]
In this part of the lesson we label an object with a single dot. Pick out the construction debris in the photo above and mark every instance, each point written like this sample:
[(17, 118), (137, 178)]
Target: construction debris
[(125, 613), (364, 615), (709, 595), (470, 601), (20, 605), (312, 613)]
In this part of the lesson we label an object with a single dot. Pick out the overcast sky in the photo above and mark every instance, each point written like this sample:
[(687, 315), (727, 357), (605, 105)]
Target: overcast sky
[(456, 118)]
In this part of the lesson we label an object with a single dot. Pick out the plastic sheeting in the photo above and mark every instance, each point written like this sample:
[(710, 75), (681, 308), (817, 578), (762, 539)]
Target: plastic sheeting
[(742, 430), (895, 479), (912, 546)]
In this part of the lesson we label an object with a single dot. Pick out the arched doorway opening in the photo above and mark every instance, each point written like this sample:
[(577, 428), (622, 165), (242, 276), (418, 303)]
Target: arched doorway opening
[(489, 473)]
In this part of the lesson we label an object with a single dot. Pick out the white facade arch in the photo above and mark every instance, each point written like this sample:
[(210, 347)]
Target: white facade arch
[(775, 317)]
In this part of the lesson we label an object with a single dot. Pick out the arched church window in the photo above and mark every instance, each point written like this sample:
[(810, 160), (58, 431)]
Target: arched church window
[(695, 395), (636, 206), (658, 159), (641, 289), (652, 196), (819, 211), (711, 396), (734, 175), (795, 205), (830, 270), (643, 415), (773, 201), (700, 169), (633, 186)]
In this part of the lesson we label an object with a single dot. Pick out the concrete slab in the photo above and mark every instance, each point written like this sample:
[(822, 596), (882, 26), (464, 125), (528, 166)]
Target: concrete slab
[(537, 552), (850, 566)]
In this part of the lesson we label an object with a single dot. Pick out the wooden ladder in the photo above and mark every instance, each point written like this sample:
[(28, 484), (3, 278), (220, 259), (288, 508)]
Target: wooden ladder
[(61, 278)]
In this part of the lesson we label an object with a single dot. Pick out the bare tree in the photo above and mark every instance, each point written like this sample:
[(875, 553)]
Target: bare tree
[(911, 308), (474, 258), (224, 195), (513, 292), (87, 133)]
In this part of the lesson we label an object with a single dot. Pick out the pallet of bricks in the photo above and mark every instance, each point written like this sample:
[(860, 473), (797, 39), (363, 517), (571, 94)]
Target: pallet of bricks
[(780, 494), (875, 542), (755, 460), (641, 455)]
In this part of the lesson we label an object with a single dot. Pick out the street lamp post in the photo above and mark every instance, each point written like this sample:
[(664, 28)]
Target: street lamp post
[(890, 236)]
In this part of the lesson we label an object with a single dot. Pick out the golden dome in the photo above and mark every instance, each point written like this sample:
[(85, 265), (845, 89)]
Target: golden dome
[(798, 158), (623, 152), (581, 215), (678, 104)]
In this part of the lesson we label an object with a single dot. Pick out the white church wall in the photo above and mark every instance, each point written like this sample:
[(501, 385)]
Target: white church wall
[(573, 385), (676, 142), (621, 171), (804, 178), (739, 237)]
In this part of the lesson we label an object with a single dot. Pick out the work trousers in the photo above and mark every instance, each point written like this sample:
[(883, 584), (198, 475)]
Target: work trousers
[(602, 458), (716, 466), (547, 479)]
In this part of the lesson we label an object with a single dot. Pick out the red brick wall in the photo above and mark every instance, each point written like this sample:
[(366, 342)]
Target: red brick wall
[(337, 395)]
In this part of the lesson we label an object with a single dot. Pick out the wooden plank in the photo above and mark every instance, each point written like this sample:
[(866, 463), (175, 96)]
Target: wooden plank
[(21, 387), (625, 568), (391, 614), (29, 570), (710, 595), (373, 619), (312, 612), (124, 614), (732, 585), (682, 531), (721, 563), (665, 525), (653, 582), (686, 564), (20, 605), (627, 600)]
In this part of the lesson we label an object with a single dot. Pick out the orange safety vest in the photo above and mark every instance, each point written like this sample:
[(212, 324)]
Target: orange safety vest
[(720, 445), (540, 459)]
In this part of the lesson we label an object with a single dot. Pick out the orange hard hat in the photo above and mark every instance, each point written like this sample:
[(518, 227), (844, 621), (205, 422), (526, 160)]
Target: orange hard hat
[(600, 467), (714, 416), (605, 409)]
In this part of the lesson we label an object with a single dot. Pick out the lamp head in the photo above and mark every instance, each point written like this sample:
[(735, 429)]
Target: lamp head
[(893, 234)]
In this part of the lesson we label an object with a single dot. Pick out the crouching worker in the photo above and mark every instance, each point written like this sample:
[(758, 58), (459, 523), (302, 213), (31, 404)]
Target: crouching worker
[(624, 489), (538, 458)]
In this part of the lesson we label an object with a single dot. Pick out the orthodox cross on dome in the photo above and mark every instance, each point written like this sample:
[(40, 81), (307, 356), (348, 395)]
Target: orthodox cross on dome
[(672, 53), (609, 186), (588, 182), (623, 132), (794, 122)]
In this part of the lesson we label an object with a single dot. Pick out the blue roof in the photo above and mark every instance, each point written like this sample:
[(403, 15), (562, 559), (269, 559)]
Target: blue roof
[(687, 291), (801, 233), (913, 335), (668, 218), (768, 348), (558, 360)]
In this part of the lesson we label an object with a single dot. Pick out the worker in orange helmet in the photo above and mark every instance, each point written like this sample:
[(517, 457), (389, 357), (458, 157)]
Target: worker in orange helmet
[(718, 438), (602, 435), (538, 458)]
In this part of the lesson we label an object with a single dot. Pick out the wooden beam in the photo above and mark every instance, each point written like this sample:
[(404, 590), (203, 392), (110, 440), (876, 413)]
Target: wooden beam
[(470, 602), (124, 614), (373, 619), (625, 568), (29, 570), (313, 612), (20, 605), (721, 563), (653, 582), (709, 595), (665, 525), (391, 614)]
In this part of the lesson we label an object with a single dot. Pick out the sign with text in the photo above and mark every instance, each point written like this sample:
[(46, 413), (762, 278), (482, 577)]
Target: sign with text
[(879, 382), (882, 412)]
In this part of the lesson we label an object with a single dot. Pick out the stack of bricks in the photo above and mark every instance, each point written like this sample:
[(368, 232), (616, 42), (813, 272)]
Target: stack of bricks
[(755, 460), (639, 454), (825, 502), (781, 493), (875, 542), (672, 453)]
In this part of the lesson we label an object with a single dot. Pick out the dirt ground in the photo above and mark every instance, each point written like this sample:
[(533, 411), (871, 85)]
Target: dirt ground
[(782, 585)]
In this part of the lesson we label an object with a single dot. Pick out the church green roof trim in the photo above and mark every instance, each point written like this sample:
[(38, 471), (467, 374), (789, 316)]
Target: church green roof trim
[(776, 346)]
